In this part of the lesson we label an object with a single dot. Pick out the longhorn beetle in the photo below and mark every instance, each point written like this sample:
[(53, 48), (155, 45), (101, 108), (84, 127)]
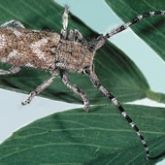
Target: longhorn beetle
[(60, 54)]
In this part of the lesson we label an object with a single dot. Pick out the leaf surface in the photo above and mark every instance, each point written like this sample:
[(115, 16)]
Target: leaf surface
[(74, 137)]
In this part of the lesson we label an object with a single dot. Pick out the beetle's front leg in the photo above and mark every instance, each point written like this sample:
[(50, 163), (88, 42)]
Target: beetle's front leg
[(75, 35)]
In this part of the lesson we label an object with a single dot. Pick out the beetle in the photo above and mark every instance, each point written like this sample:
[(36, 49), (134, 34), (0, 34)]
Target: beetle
[(60, 54)]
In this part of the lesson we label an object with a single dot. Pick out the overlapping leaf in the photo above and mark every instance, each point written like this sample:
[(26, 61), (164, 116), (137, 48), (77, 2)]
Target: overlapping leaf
[(95, 138), (151, 30)]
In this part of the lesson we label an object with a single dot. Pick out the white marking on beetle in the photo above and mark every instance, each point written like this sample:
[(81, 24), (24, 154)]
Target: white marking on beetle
[(152, 13), (13, 54), (16, 32), (103, 90), (36, 48), (2, 41), (162, 12), (143, 141), (36, 31), (3, 59), (138, 133), (55, 38), (127, 24), (124, 114), (29, 65), (140, 17), (115, 102), (132, 124)]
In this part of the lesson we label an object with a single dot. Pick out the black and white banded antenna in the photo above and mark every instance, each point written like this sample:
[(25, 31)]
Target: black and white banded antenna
[(135, 20), (100, 42)]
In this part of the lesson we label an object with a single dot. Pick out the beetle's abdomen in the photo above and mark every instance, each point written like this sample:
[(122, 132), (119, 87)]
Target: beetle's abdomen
[(22, 47)]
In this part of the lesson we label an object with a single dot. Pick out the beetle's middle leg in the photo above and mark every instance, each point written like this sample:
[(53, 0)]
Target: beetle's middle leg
[(75, 89), (40, 88)]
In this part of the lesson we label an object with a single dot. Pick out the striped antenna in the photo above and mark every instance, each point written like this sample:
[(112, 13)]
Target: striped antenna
[(135, 20)]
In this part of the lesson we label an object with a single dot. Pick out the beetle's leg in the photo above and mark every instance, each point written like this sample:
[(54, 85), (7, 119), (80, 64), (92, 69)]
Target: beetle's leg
[(76, 90), (12, 24), (75, 35), (72, 35), (40, 88), (12, 70), (65, 22)]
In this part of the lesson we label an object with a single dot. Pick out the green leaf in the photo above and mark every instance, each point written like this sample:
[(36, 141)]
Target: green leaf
[(117, 72), (75, 137), (151, 30)]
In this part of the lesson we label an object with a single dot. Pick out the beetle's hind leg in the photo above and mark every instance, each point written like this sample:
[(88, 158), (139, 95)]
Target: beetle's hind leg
[(12, 24), (40, 88), (12, 70), (75, 89)]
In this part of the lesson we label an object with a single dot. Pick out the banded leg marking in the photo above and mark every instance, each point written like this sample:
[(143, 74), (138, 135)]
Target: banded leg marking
[(12, 70), (40, 88), (76, 90), (96, 82)]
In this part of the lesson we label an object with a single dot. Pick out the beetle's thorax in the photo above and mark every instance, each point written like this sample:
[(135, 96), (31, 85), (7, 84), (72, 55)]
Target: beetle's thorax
[(75, 55), (43, 50)]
